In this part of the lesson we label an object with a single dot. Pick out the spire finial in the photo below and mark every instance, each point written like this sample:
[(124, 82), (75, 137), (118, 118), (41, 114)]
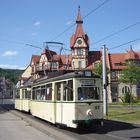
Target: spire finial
[(79, 7), (130, 47), (79, 18)]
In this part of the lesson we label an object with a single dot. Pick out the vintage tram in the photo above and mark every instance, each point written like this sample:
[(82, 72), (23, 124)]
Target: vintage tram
[(70, 99)]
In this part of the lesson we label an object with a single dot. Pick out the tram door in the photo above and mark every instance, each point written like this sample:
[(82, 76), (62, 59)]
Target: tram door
[(59, 102)]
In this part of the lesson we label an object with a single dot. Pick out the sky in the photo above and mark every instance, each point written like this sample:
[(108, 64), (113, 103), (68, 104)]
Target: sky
[(34, 22)]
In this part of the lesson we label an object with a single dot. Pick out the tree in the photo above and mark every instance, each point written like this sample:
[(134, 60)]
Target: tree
[(131, 76), (98, 70)]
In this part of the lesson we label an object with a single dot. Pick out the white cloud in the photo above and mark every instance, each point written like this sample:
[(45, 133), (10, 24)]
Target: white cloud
[(34, 34), (136, 47), (37, 23), (10, 53), (69, 22), (11, 67)]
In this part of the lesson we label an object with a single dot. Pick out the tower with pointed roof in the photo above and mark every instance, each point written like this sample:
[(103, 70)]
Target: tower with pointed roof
[(79, 44)]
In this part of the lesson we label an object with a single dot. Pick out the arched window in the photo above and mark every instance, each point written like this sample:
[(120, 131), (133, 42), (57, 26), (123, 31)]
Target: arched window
[(125, 89)]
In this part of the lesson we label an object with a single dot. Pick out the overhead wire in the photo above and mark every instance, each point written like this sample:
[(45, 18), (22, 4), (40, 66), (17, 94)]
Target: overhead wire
[(92, 11), (27, 44), (117, 32), (124, 44), (21, 43)]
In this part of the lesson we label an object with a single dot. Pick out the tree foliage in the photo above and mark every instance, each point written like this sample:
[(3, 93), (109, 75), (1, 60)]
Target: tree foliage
[(98, 69), (12, 75), (130, 75)]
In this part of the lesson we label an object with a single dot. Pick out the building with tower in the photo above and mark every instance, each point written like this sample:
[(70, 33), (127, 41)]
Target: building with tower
[(49, 63)]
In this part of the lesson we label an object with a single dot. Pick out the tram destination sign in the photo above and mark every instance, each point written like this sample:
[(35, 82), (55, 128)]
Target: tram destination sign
[(86, 82)]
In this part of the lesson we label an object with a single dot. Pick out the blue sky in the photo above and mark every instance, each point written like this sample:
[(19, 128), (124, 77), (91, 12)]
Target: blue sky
[(37, 21)]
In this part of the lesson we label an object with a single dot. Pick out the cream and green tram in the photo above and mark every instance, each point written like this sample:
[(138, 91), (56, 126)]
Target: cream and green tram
[(70, 99), (22, 98)]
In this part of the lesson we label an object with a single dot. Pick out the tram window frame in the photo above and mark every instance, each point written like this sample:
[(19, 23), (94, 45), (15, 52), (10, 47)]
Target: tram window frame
[(33, 93), (17, 95), (83, 93), (25, 94), (28, 94), (38, 93), (58, 93), (68, 91), (43, 92), (49, 91), (64, 91)]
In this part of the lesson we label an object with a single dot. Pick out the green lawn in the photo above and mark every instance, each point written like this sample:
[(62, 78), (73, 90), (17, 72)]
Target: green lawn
[(126, 114)]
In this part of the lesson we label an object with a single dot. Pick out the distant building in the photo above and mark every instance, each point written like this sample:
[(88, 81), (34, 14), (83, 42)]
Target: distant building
[(6, 88), (81, 58), (117, 64)]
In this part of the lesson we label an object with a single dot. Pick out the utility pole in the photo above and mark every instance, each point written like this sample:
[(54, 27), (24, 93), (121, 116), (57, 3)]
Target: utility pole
[(104, 81)]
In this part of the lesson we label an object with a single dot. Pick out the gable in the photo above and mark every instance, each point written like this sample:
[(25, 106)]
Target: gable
[(43, 59), (80, 43), (27, 72)]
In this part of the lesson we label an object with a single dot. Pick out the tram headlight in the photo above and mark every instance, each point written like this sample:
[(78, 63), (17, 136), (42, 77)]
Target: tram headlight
[(89, 112)]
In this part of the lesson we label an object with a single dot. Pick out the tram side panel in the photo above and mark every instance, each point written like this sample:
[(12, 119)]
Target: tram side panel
[(26, 95), (43, 107), (18, 100), (65, 105), (26, 105), (43, 110)]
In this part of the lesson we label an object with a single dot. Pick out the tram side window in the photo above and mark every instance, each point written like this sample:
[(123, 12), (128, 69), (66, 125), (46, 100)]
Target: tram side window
[(22, 91), (42, 96), (58, 89), (38, 93), (17, 95), (68, 91), (28, 94), (49, 92), (33, 94)]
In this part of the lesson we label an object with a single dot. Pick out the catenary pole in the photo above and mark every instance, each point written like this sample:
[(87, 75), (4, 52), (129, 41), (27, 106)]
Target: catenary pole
[(104, 81)]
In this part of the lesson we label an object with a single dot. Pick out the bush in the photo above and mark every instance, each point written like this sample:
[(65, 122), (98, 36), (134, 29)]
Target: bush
[(128, 98)]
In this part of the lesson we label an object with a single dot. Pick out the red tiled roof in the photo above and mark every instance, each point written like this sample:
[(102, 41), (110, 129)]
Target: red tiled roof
[(49, 54), (35, 58), (118, 58), (131, 55), (55, 58), (66, 59), (94, 56)]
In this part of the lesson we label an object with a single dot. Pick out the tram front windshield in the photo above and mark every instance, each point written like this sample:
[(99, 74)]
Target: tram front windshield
[(88, 93)]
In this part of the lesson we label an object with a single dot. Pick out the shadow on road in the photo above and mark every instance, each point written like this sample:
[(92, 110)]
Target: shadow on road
[(109, 126), (6, 107)]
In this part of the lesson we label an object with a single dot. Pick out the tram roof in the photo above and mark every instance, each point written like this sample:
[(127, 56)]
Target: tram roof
[(80, 74)]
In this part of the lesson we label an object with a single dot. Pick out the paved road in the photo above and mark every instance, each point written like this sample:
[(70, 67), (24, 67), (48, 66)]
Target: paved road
[(14, 128), (28, 125)]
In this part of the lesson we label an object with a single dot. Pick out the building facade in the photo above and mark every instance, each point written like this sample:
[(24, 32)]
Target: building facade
[(117, 65), (81, 58)]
